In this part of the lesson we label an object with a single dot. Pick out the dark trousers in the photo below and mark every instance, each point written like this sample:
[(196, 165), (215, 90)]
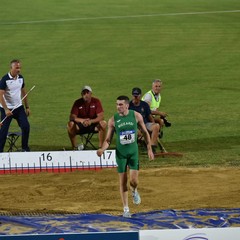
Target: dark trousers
[(21, 117)]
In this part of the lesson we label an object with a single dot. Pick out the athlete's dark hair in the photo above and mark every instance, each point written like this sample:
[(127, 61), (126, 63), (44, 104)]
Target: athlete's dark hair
[(125, 98)]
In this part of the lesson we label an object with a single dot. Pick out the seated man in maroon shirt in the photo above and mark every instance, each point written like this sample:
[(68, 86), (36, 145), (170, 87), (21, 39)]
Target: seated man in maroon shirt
[(86, 116)]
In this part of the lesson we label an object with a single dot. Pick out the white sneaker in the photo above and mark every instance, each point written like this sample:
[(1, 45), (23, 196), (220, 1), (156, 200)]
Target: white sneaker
[(136, 197), (126, 212)]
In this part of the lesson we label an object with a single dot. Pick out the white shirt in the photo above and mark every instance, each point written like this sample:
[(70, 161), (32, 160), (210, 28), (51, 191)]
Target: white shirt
[(12, 89)]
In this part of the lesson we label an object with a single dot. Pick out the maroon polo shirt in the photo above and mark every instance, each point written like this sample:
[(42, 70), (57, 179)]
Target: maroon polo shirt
[(87, 110)]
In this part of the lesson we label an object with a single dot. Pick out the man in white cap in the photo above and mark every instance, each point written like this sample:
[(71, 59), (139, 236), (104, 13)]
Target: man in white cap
[(86, 116)]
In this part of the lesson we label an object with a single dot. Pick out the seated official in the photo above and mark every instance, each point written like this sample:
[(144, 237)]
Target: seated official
[(143, 108), (153, 98), (86, 116)]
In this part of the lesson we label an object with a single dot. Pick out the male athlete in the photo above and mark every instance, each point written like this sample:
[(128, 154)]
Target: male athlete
[(124, 123)]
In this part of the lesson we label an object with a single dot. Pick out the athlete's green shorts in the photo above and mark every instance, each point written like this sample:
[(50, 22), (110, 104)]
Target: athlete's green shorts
[(130, 160)]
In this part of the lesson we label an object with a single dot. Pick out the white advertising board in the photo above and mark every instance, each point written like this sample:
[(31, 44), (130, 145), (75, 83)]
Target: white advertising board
[(192, 234)]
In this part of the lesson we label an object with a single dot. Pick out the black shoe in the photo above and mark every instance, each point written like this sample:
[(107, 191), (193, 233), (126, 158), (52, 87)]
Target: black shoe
[(166, 123), (25, 150)]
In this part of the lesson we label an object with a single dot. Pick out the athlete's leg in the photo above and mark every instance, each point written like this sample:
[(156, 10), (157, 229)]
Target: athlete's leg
[(123, 188), (133, 178), (134, 185)]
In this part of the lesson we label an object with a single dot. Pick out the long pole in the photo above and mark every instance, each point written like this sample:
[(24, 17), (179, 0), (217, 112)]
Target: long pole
[(18, 104)]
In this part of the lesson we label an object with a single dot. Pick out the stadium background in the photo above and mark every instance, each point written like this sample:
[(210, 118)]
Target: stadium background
[(193, 46)]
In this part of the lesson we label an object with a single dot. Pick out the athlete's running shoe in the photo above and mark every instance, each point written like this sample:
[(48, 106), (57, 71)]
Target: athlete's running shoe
[(127, 214), (136, 197)]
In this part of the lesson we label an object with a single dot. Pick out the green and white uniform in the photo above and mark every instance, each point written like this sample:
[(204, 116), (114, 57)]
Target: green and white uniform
[(126, 141)]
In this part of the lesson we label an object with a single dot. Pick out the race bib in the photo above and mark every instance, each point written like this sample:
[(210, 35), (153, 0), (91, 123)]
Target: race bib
[(127, 137)]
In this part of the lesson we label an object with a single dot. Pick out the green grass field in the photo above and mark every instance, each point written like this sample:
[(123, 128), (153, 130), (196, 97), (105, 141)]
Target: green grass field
[(113, 46)]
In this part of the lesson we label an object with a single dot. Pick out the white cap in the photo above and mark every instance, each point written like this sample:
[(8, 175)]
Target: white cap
[(87, 88)]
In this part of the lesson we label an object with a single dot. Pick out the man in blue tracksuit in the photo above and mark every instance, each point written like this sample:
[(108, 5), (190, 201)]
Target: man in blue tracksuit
[(12, 89)]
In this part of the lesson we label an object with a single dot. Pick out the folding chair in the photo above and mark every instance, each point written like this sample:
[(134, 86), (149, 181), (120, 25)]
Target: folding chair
[(12, 138), (141, 140), (86, 139)]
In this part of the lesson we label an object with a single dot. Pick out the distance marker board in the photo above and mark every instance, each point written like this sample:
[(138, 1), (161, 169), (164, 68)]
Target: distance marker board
[(55, 161)]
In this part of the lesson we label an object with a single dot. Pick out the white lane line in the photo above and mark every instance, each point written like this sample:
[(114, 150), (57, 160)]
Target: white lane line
[(118, 17)]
